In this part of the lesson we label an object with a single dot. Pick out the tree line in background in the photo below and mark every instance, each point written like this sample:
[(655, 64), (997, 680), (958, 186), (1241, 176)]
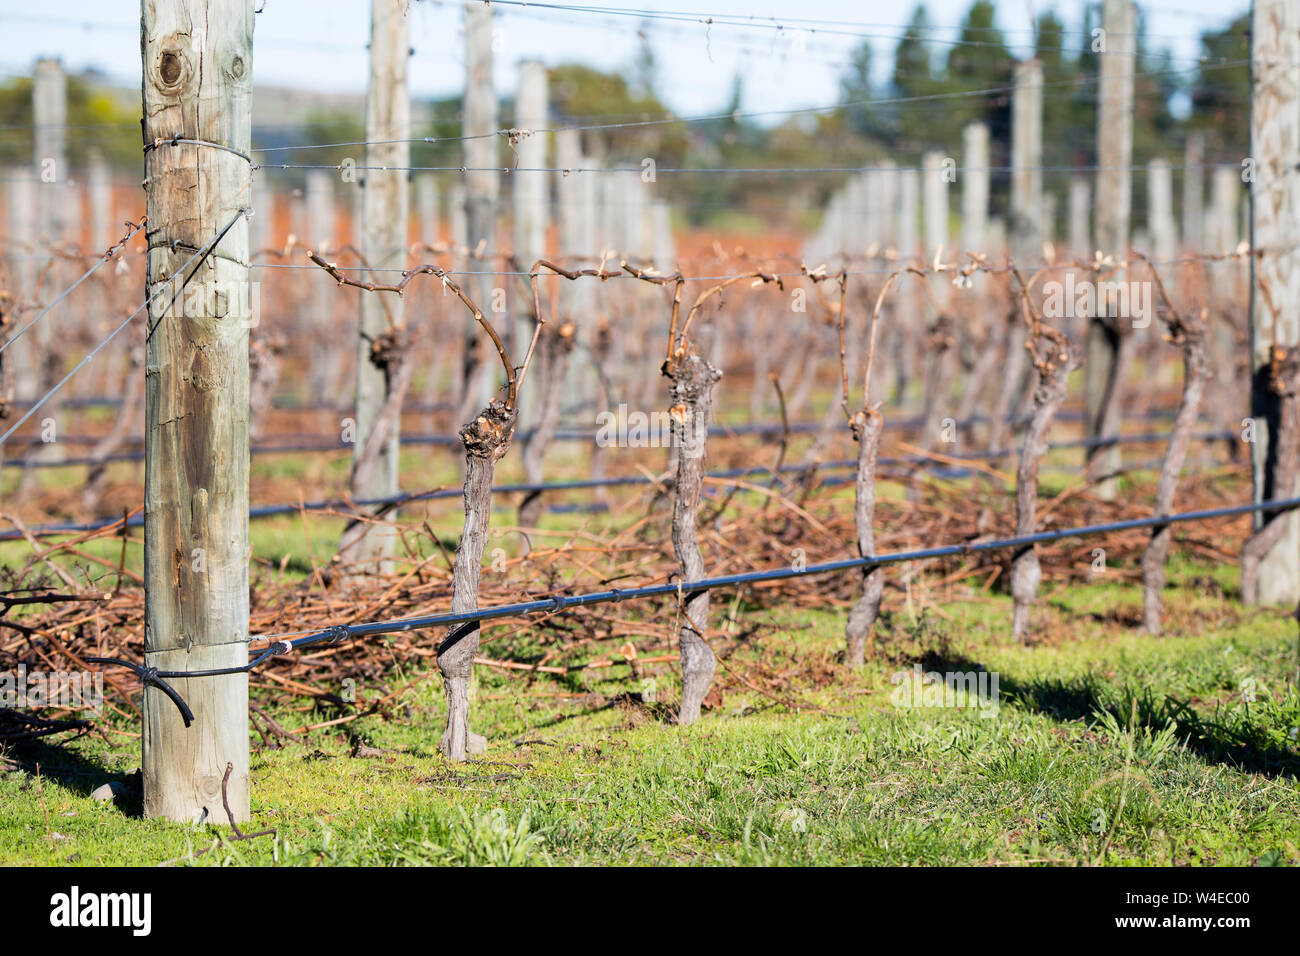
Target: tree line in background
[(920, 106)]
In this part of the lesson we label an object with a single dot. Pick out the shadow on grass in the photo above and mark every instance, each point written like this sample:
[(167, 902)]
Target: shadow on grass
[(68, 768), (1250, 738), (1257, 737)]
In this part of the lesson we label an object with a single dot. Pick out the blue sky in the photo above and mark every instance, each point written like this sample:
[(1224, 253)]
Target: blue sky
[(320, 44)]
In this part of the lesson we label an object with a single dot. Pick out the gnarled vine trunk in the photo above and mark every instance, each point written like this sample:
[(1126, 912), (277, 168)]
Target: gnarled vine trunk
[(692, 379), (1196, 374), (1026, 574), (867, 426), (486, 440)]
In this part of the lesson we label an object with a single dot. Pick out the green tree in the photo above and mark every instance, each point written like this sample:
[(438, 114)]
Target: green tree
[(914, 76), (979, 61), (856, 91), (1221, 91)]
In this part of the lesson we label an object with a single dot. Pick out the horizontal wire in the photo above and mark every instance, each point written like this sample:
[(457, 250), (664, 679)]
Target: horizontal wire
[(743, 170), (816, 25), (199, 254), (104, 257)]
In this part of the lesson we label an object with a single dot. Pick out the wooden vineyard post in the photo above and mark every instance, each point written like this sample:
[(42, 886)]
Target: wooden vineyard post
[(1194, 192), (53, 201), (530, 206), (1080, 237), (1160, 211), (575, 236), (1108, 336), (481, 194), (20, 219), (974, 190), (384, 206), (939, 332), (1025, 237), (198, 70), (1275, 276), (320, 237), (541, 393)]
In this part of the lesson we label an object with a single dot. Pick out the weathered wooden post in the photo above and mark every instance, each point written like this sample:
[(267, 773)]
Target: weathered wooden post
[(20, 226), (323, 375), (1026, 211), (575, 241), (482, 192), (1108, 336), (443, 353), (934, 204), (1275, 269), (975, 188), (465, 351), (908, 331), (1194, 192), (530, 202), (53, 219), (99, 186), (1080, 234), (1025, 233), (934, 212), (664, 249), (978, 333), (384, 207), (543, 390), (196, 402), (50, 112), (426, 207), (1160, 211)]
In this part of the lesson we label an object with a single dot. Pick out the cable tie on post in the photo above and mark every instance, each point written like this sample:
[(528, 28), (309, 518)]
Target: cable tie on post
[(149, 678)]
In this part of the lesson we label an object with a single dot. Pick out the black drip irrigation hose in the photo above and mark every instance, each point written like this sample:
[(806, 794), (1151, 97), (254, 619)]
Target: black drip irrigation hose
[(269, 511), (466, 622)]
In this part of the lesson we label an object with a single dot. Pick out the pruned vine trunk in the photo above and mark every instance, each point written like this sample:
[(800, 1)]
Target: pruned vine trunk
[(1196, 374), (486, 440), (866, 426), (691, 390), (1053, 378)]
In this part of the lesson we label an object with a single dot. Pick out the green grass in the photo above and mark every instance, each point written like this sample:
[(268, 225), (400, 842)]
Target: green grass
[(1107, 747)]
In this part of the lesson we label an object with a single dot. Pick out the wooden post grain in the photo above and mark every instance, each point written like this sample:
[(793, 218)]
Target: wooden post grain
[(1275, 279), (198, 71), (1108, 336), (482, 189), (384, 207)]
